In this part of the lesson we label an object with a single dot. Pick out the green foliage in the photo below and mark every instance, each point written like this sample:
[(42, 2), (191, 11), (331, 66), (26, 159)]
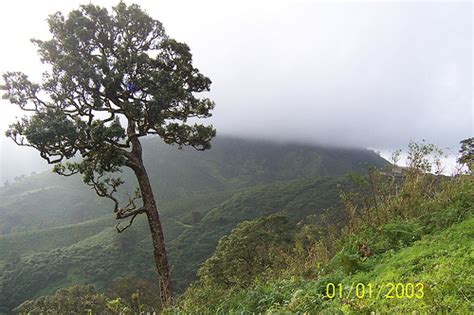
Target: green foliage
[(453, 203), (105, 69), (74, 300), (298, 199), (400, 227), (314, 245), (467, 153), (26, 243), (252, 249), (120, 63), (347, 260), (397, 193), (441, 261), (33, 203), (424, 157), (116, 306), (401, 234), (100, 258), (135, 294), (129, 295)]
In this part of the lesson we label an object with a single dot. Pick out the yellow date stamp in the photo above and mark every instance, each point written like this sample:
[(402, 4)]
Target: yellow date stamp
[(389, 290)]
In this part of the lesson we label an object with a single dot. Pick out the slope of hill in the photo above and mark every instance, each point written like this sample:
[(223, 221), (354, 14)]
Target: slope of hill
[(435, 273), (406, 251), (105, 256), (441, 262), (56, 232), (297, 198)]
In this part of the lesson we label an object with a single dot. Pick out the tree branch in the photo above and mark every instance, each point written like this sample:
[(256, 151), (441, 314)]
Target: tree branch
[(125, 214), (120, 230)]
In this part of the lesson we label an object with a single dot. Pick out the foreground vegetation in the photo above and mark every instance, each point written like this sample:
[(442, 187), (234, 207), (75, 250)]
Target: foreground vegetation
[(32, 268), (442, 262), (408, 231)]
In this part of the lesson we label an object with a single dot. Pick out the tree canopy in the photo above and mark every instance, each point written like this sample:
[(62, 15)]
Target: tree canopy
[(104, 67), (108, 70)]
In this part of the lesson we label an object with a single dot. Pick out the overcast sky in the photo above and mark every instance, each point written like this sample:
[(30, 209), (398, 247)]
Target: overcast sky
[(370, 74)]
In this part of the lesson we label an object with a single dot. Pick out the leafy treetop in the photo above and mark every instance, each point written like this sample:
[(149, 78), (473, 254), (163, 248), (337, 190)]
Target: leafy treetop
[(107, 70)]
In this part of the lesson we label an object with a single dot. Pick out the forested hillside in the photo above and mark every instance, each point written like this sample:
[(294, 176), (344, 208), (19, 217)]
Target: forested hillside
[(56, 232)]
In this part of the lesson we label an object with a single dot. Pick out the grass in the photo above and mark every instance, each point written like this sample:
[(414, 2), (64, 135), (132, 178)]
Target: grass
[(420, 238), (442, 262)]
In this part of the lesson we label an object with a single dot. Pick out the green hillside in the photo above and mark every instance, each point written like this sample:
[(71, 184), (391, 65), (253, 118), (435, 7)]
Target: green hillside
[(441, 262), (297, 198), (57, 233), (408, 250), (273, 247), (46, 200), (12, 246), (102, 258)]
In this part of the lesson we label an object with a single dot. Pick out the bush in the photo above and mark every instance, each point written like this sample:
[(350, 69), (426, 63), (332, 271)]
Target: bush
[(251, 250), (400, 234), (78, 299)]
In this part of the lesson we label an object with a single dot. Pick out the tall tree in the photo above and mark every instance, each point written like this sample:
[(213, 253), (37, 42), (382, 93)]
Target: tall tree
[(114, 78), (467, 153)]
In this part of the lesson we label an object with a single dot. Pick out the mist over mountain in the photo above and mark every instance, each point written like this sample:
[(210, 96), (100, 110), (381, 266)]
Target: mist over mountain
[(18, 161), (374, 74), (227, 151)]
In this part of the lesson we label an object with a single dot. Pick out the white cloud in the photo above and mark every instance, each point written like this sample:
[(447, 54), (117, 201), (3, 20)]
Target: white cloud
[(372, 74)]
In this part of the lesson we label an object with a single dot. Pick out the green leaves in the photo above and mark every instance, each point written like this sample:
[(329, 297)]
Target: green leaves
[(100, 53), (467, 153), (20, 91), (198, 136), (423, 157), (250, 250), (94, 55), (76, 299)]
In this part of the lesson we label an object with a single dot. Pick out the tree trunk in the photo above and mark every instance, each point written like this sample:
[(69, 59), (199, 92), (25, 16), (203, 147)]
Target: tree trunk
[(156, 230), (135, 162)]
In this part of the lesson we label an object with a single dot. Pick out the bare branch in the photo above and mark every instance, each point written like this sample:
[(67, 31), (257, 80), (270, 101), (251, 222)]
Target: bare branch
[(132, 214)]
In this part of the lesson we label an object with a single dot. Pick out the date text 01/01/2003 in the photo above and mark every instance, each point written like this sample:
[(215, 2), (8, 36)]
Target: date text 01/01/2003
[(387, 290)]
